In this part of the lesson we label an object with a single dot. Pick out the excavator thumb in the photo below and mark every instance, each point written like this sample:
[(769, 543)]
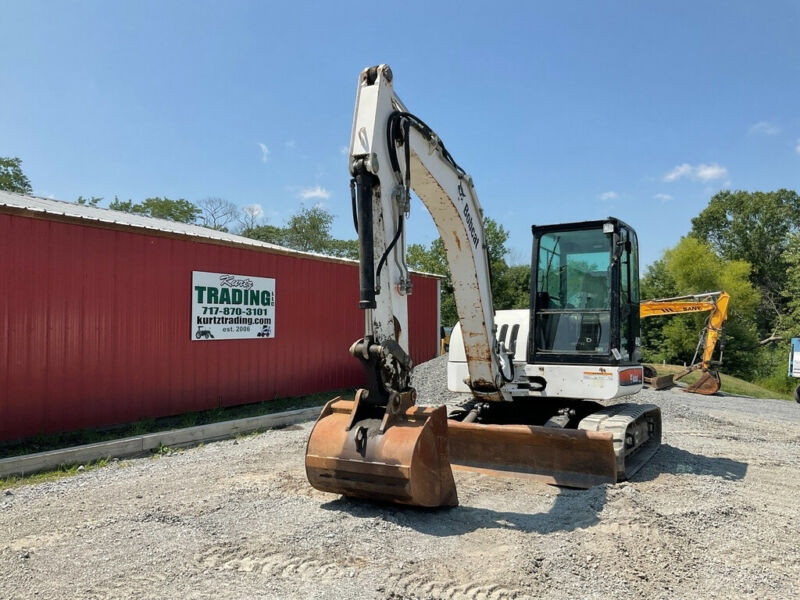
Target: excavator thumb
[(398, 456), (708, 384)]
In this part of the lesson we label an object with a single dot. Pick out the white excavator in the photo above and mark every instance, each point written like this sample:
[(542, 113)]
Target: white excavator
[(539, 385)]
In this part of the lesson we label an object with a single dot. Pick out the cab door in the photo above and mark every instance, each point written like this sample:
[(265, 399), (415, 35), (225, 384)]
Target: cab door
[(630, 341)]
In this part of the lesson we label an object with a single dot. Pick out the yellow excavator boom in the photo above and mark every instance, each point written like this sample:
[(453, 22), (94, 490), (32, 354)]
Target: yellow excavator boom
[(714, 302)]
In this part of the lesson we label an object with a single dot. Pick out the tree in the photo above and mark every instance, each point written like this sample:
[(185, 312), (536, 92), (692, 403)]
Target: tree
[(250, 216), (91, 201), (307, 230), (772, 358), (343, 248), (754, 227), (791, 292), (122, 206), (217, 213), (12, 179), (510, 285), (181, 211), (266, 233)]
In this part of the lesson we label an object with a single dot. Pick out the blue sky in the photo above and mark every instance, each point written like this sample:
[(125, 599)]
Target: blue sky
[(561, 111)]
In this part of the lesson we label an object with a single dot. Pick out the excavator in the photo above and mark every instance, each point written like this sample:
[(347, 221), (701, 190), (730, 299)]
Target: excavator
[(540, 388), (716, 304)]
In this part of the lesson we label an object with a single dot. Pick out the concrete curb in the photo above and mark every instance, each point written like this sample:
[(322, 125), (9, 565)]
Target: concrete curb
[(42, 461)]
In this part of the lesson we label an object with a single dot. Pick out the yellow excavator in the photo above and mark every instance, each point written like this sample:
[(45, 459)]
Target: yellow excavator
[(541, 382), (715, 303)]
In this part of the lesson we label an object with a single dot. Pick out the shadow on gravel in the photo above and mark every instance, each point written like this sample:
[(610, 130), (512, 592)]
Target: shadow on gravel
[(572, 509), (670, 459)]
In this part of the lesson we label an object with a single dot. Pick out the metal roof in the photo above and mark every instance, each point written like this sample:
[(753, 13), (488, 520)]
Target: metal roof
[(59, 210)]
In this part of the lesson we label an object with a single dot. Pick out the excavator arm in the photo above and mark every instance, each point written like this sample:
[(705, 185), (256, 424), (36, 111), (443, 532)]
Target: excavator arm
[(381, 445), (393, 152), (716, 303)]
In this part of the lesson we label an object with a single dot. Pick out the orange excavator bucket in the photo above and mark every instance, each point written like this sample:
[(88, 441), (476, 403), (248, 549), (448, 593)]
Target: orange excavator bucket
[(401, 457), (708, 384)]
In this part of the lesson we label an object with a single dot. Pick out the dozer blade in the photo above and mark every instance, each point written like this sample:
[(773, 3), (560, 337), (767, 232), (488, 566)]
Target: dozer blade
[(567, 457), (609, 445), (708, 384), (407, 464)]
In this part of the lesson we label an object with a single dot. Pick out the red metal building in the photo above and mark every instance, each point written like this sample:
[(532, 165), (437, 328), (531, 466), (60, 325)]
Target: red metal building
[(95, 319)]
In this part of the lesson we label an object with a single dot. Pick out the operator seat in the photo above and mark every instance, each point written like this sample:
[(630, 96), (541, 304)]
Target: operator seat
[(594, 295)]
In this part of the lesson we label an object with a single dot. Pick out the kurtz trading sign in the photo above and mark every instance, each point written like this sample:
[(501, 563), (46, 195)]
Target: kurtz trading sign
[(232, 307)]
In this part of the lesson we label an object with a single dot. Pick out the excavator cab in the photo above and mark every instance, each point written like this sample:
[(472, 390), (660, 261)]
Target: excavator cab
[(575, 349), (585, 303)]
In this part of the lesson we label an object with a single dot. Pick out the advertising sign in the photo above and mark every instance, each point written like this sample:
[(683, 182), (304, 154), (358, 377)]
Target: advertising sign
[(232, 307)]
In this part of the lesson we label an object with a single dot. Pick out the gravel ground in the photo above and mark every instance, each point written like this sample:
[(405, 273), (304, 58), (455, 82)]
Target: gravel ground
[(713, 515)]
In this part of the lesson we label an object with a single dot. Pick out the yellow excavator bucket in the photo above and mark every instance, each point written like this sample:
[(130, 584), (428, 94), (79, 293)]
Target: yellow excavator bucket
[(406, 462)]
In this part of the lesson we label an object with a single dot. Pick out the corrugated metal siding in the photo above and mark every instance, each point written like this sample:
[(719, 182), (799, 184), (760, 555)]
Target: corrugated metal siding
[(423, 319), (86, 341)]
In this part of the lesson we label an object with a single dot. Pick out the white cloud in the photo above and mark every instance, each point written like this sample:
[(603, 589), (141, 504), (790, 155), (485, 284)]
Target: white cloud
[(290, 145), (710, 172), (315, 193), (264, 152), (344, 150), (663, 197), (765, 128), (684, 170), (797, 148), (701, 172), (610, 195)]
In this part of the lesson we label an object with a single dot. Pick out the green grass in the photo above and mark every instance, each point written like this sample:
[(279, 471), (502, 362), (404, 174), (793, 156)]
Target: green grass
[(43, 443), (730, 385), (45, 476)]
